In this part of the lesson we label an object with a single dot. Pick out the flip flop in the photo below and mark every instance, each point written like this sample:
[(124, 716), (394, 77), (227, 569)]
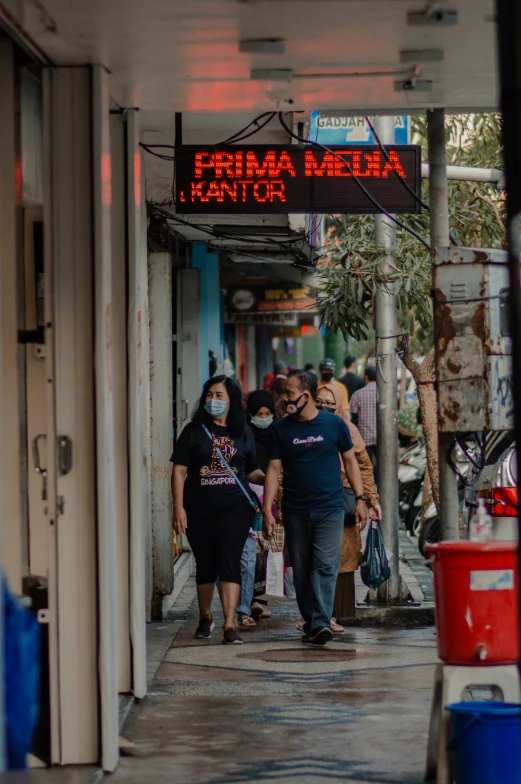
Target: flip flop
[(246, 622)]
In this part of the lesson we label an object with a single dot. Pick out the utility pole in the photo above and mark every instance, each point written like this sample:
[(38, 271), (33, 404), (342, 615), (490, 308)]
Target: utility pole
[(509, 52), (386, 322), (439, 214)]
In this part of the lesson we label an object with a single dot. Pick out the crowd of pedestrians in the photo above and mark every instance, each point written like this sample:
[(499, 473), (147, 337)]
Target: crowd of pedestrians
[(293, 451)]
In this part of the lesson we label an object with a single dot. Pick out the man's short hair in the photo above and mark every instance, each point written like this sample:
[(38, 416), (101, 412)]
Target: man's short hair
[(370, 372), (307, 381), (349, 360)]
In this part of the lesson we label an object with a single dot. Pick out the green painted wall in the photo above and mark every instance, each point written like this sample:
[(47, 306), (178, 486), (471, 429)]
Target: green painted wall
[(335, 347)]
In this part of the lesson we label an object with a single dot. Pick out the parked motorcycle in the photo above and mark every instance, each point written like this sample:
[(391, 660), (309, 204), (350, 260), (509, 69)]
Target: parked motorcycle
[(411, 475), (411, 472)]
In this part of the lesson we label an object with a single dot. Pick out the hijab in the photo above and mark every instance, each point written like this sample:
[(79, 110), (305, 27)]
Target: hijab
[(358, 441), (256, 400)]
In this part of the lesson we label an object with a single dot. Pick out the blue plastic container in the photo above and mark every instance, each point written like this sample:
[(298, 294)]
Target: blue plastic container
[(486, 742)]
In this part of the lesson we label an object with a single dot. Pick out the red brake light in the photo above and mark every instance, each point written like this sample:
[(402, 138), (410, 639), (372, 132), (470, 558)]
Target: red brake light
[(502, 501)]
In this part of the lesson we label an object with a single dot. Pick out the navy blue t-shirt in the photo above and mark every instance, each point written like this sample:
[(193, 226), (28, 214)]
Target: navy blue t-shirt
[(310, 461)]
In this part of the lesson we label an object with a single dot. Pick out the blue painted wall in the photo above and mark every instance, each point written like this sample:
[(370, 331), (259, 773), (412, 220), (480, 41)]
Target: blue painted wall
[(211, 308)]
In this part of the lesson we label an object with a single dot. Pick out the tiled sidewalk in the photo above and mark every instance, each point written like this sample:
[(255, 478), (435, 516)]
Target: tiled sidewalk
[(274, 710)]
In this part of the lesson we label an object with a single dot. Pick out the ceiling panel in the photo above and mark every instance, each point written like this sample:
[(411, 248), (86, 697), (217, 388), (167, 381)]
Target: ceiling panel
[(183, 55)]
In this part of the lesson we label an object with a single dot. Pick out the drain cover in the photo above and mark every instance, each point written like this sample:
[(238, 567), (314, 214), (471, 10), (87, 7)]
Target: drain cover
[(305, 655)]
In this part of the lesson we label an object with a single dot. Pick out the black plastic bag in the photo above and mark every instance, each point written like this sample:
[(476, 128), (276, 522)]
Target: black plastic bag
[(375, 568), (261, 563)]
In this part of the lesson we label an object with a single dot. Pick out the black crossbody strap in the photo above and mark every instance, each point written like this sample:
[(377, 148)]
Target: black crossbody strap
[(231, 472)]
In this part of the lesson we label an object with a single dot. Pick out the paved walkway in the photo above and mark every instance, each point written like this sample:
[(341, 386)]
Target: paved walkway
[(273, 710)]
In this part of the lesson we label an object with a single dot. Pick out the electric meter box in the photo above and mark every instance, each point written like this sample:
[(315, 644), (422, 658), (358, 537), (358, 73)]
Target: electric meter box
[(472, 340)]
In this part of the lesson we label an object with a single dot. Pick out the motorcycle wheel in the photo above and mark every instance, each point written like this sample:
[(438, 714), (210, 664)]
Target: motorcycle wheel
[(413, 520), (408, 494), (429, 534)]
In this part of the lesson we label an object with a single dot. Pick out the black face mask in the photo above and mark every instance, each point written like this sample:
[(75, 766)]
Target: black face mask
[(292, 407), (327, 375)]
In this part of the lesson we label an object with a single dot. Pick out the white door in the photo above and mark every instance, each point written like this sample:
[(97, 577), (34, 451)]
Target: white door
[(188, 380)]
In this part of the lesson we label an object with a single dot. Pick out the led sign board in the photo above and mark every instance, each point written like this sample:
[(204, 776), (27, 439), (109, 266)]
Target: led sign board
[(236, 179)]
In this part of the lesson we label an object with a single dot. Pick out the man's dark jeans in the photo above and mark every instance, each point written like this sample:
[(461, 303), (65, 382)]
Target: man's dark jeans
[(314, 542)]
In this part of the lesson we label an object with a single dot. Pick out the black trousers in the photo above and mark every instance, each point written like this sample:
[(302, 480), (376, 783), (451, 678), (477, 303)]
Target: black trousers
[(217, 539), (371, 451)]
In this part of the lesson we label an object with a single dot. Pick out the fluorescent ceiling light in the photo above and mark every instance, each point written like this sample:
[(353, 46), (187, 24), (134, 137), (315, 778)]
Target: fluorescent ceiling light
[(421, 56), (272, 74), (433, 19), (263, 46)]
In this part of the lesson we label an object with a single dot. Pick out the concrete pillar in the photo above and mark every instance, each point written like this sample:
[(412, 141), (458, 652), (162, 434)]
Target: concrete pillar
[(70, 351), (251, 358), (10, 485), (210, 335), (262, 348), (139, 405), (120, 392), (386, 319), (161, 393), (439, 224)]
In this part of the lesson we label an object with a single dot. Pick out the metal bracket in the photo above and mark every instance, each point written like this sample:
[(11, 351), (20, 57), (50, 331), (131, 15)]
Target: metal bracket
[(44, 616), (31, 335), (64, 453)]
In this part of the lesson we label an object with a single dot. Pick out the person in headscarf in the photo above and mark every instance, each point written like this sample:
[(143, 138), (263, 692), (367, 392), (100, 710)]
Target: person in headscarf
[(260, 408), (330, 399)]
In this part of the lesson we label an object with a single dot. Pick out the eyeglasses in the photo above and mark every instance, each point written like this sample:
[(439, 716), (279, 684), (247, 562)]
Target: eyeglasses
[(325, 404)]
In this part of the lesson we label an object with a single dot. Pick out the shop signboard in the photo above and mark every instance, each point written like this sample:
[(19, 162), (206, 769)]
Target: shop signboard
[(262, 179), (270, 299), (353, 130), (275, 319)]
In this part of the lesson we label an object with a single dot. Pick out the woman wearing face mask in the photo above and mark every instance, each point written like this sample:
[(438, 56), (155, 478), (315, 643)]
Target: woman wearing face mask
[(209, 504), (328, 399), (261, 413)]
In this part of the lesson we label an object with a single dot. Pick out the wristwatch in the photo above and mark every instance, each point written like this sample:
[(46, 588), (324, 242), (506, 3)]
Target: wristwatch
[(362, 497)]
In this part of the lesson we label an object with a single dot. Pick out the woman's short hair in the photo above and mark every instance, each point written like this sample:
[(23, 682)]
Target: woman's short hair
[(236, 421)]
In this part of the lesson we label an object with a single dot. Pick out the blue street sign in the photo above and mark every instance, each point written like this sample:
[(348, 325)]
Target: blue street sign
[(353, 130)]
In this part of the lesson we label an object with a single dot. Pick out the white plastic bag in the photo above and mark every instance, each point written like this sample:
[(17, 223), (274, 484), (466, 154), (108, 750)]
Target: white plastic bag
[(275, 573), (289, 586)]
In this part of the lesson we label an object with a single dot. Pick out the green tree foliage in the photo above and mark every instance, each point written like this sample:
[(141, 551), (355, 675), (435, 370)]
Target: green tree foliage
[(476, 213)]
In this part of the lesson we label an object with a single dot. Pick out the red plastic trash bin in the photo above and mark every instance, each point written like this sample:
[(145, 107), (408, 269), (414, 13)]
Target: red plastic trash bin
[(477, 609)]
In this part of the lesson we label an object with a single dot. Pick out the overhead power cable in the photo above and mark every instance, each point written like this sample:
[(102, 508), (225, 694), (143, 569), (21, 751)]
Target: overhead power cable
[(418, 199), (356, 179), (286, 246), (235, 139)]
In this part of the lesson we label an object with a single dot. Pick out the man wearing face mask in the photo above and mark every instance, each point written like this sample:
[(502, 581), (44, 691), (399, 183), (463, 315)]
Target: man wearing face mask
[(327, 370), (306, 445)]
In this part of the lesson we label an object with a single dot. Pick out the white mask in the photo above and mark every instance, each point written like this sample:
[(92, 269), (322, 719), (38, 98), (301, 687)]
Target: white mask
[(262, 423)]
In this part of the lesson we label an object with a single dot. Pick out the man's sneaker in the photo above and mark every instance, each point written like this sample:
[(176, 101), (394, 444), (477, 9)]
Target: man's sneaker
[(205, 629), (319, 636), (231, 637)]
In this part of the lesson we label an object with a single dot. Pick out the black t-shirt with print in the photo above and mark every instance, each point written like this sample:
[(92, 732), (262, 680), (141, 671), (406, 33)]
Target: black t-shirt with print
[(208, 484)]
